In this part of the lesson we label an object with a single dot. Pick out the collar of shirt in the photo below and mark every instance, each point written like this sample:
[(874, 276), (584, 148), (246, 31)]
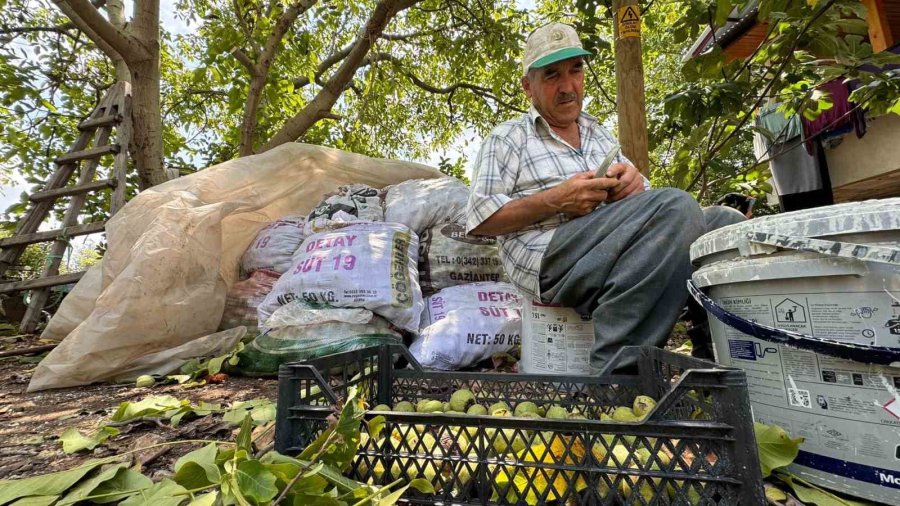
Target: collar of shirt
[(585, 121)]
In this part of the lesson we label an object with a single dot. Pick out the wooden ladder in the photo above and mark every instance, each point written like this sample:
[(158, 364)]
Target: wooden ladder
[(113, 112)]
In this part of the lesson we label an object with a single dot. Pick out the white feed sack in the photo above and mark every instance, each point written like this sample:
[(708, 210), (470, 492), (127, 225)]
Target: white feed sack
[(423, 203), (465, 324), (363, 265), (355, 202), (274, 246), (449, 257)]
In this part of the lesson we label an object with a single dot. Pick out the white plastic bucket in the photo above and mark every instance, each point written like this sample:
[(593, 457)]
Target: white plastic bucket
[(555, 340), (767, 272)]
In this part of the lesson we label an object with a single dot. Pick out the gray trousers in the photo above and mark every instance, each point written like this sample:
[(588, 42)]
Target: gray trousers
[(626, 264)]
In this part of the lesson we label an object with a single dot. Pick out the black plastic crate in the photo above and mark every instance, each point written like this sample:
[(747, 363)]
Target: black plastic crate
[(696, 446)]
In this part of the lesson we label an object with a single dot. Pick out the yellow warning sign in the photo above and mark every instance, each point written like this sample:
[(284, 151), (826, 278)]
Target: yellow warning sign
[(629, 19)]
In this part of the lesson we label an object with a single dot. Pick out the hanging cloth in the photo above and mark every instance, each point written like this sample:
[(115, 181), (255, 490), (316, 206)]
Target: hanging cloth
[(843, 116)]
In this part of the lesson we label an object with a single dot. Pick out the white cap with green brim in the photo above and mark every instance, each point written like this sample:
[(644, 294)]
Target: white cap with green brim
[(551, 43)]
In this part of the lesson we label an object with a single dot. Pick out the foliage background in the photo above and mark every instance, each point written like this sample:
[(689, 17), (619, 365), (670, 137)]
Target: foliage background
[(450, 73)]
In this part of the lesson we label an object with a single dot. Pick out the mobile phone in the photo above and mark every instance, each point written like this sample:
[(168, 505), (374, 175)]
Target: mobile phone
[(610, 157)]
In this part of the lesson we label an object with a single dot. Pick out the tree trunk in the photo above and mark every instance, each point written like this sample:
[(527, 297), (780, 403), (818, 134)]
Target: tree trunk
[(630, 84), (146, 138), (116, 11), (251, 110), (147, 143)]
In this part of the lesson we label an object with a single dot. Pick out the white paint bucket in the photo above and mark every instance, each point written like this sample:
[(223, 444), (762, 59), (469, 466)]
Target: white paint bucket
[(555, 340), (766, 272)]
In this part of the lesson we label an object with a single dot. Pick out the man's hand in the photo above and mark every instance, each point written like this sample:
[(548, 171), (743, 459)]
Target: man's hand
[(630, 181), (581, 194)]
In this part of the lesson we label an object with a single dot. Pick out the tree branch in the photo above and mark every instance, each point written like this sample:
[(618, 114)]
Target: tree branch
[(62, 29), (69, 12), (478, 90), (324, 65), (260, 71), (321, 105), (764, 93), (421, 33), (243, 59), (302, 81), (281, 27), (89, 20)]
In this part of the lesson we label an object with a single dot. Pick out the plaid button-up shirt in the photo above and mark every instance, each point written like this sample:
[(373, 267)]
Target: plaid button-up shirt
[(522, 157)]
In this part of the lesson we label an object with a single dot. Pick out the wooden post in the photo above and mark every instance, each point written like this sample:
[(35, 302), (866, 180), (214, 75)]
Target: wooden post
[(880, 34), (630, 83)]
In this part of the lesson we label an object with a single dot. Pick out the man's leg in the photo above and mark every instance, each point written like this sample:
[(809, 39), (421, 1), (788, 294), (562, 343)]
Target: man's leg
[(721, 216), (626, 264)]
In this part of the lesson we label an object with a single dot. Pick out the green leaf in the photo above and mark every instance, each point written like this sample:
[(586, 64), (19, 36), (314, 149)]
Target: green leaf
[(895, 108), (244, 434), (261, 411), (316, 500), (776, 448), (376, 426), (86, 488), (126, 482), (774, 493), (154, 406), (38, 500), (255, 481), (393, 497), (263, 414), (164, 493), (47, 484), (206, 499), (198, 468), (215, 364), (50, 107), (811, 494), (73, 441), (723, 10), (343, 446), (422, 485)]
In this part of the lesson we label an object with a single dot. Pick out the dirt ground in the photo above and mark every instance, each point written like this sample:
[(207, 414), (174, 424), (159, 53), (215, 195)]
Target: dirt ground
[(30, 423)]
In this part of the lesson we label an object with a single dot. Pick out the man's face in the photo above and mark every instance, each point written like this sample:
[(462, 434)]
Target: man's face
[(557, 91)]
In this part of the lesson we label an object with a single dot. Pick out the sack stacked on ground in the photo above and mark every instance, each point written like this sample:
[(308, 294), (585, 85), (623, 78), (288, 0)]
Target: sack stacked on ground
[(423, 203), (465, 324), (355, 202), (274, 245), (300, 330), (244, 298), (449, 257), (363, 265)]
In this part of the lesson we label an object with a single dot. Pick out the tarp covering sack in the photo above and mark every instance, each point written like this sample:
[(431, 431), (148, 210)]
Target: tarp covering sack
[(355, 202), (274, 246), (422, 204), (76, 306), (175, 249), (465, 324), (362, 265), (449, 257), (300, 330), (244, 298)]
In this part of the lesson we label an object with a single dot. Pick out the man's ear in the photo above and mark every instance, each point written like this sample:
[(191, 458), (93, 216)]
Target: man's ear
[(526, 86)]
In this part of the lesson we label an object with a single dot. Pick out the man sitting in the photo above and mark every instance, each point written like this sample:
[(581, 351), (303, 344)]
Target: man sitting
[(603, 244)]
